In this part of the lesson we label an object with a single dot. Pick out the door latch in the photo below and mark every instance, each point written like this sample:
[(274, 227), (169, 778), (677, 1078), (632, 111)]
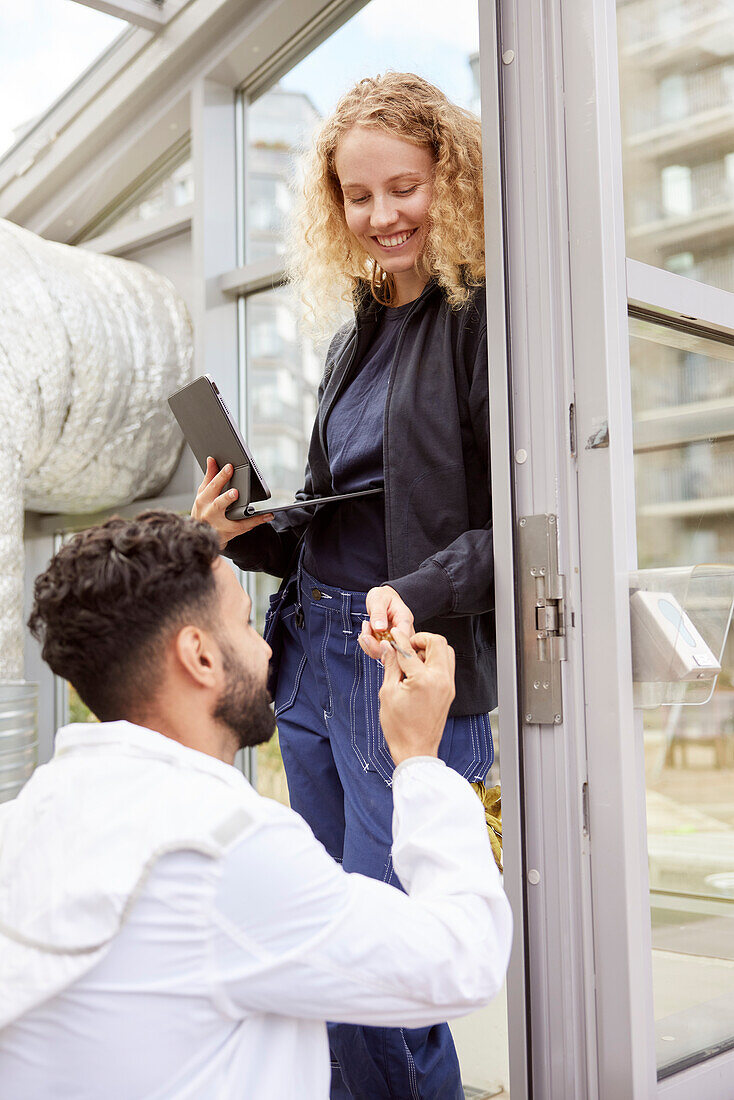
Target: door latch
[(543, 610)]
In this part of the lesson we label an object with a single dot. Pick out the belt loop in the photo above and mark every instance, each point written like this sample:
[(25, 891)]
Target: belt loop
[(347, 630), (299, 582)]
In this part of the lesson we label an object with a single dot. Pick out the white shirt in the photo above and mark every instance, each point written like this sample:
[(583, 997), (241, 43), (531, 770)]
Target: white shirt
[(224, 965)]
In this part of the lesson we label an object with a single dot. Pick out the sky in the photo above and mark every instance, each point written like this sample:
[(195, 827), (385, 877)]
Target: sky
[(46, 44), (407, 35)]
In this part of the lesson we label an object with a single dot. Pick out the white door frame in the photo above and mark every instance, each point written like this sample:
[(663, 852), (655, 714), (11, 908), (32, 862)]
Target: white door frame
[(500, 431), (607, 540), (590, 986)]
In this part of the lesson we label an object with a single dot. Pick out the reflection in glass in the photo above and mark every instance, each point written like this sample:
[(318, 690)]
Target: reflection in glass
[(683, 405), (277, 124), (676, 60), (282, 383), (283, 373)]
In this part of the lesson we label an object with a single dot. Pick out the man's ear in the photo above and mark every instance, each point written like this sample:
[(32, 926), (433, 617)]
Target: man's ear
[(196, 655)]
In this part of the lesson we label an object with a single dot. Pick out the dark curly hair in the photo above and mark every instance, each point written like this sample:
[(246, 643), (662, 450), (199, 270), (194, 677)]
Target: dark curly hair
[(112, 595)]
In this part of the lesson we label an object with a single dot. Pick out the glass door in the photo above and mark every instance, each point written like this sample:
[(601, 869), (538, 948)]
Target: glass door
[(676, 77), (683, 415), (280, 369), (617, 130)]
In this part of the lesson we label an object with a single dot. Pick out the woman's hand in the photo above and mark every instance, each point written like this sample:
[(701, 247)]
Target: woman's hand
[(211, 502), (387, 612)]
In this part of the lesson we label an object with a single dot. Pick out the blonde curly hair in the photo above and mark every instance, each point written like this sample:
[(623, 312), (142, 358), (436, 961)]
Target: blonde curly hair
[(326, 265)]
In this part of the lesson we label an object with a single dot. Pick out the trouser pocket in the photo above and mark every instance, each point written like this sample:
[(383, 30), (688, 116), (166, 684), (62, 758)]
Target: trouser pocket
[(472, 749), (368, 740), (290, 664), (286, 694), (280, 604)]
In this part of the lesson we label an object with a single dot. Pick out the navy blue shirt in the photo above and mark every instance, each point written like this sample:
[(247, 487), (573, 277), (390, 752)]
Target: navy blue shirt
[(345, 543)]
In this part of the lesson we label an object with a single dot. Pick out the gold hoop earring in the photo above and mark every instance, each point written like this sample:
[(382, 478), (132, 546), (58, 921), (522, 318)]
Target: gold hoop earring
[(382, 285), (376, 282)]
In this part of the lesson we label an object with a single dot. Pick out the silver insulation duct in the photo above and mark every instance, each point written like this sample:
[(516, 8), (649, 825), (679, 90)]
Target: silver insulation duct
[(90, 347)]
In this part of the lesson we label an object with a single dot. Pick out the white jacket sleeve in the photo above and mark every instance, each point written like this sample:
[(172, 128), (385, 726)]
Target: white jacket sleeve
[(297, 936)]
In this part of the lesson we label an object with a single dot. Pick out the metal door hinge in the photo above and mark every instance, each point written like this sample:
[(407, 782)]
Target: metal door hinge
[(543, 608)]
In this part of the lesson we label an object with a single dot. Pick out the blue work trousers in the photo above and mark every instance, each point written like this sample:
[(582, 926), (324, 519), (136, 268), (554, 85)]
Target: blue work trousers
[(339, 773)]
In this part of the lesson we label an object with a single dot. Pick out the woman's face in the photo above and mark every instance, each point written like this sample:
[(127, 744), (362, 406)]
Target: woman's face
[(387, 185)]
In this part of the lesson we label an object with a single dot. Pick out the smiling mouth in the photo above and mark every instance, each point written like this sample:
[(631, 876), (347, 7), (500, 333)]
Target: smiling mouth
[(396, 239)]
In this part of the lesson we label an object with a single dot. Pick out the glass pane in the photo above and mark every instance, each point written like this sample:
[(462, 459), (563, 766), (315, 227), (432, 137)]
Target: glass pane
[(282, 373), (683, 403), (169, 186), (276, 126), (676, 62)]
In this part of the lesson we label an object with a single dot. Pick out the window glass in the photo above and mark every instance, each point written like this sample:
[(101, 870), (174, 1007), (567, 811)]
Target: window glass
[(283, 373), (276, 125), (683, 404), (676, 60), (282, 387), (168, 186)]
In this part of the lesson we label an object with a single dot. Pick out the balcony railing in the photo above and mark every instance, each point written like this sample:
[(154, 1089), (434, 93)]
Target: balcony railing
[(699, 474), (715, 271), (695, 379), (708, 90), (649, 20), (277, 412), (706, 188)]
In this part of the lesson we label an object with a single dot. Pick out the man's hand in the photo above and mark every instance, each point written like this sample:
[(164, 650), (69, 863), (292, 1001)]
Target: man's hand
[(416, 694), (211, 503), (387, 612)]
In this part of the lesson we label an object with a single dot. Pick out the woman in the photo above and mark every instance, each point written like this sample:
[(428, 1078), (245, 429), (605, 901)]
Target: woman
[(391, 219)]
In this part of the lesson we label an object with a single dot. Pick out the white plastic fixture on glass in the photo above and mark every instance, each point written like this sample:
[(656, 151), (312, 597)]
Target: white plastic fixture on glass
[(679, 621)]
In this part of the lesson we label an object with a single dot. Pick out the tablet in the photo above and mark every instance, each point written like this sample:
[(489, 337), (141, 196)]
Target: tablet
[(210, 429)]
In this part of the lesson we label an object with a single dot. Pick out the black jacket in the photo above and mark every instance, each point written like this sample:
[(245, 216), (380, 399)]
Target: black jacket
[(438, 516)]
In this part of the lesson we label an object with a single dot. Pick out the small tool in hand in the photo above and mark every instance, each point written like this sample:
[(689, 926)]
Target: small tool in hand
[(386, 636)]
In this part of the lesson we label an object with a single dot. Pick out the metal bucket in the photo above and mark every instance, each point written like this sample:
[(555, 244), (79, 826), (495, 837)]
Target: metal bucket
[(18, 735)]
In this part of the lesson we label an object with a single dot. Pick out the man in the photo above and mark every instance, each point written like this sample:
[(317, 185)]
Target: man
[(165, 931)]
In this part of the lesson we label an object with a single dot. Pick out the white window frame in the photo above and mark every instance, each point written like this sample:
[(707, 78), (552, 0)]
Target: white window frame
[(150, 14)]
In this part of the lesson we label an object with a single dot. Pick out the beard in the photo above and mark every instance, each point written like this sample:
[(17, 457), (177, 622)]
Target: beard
[(244, 705)]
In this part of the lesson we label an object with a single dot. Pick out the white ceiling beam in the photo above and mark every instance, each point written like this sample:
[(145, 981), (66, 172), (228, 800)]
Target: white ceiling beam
[(120, 239), (143, 13)]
